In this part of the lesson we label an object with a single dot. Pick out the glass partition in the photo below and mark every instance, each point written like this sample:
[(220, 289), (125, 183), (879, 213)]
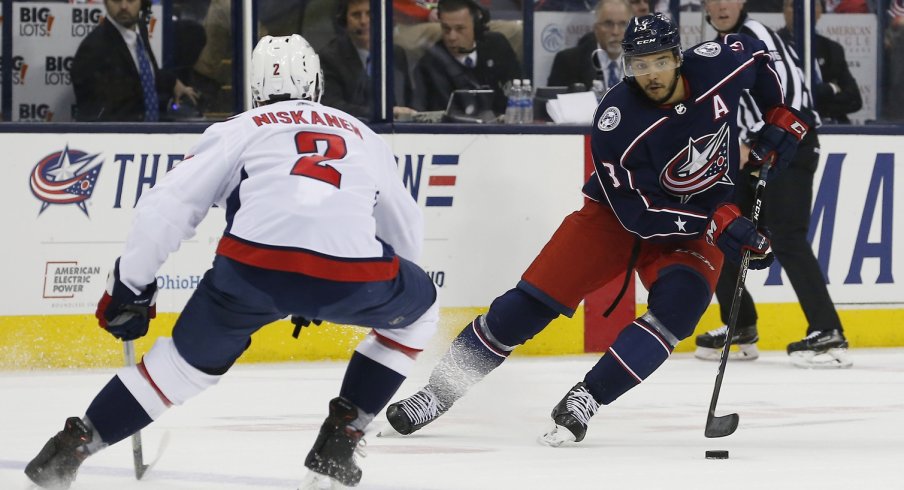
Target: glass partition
[(64, 65)]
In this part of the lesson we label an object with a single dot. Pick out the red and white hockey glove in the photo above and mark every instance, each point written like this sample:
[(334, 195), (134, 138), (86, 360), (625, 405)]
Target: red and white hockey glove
[(734, 234), (123, 313), (777, 141)]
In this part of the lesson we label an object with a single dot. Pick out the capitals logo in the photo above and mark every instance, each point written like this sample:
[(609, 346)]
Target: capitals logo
[(698, 167), (65, 177)]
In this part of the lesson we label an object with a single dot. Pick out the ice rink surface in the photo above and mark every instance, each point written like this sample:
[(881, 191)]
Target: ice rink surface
[(800, 429)]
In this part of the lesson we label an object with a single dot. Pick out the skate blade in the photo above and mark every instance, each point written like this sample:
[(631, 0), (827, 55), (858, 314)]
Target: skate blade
[(556, 437), (316, 481), (830, 359), (737, 352)]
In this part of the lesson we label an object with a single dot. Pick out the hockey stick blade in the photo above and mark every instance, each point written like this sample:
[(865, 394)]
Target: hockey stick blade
[(721, 426)]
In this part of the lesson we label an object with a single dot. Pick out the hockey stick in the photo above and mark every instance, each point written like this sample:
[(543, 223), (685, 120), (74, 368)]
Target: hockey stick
[(725, 425), (128, 350)]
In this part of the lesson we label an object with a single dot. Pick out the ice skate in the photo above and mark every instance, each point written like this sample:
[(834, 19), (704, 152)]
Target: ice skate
[(57, 464), (333, 454), (821, 349), (710, 344), (571, 417), (414, 412)]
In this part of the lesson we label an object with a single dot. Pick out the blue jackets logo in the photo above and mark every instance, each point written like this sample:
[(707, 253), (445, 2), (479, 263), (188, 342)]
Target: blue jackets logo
[(65, 177)]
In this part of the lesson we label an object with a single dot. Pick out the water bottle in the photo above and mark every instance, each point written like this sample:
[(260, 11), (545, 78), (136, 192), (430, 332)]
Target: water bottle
[(512, 109), (527, 102)]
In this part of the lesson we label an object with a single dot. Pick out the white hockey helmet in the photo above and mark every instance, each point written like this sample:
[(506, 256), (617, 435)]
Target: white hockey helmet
[(284, 68)]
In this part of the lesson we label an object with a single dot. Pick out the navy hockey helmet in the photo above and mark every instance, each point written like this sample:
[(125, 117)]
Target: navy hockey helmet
[(646, 35)]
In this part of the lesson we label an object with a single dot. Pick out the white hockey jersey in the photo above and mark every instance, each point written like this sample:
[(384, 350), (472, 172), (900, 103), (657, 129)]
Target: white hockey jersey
[(307, 188)]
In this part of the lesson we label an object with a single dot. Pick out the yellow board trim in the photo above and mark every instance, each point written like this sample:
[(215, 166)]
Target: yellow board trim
[(75, 341)]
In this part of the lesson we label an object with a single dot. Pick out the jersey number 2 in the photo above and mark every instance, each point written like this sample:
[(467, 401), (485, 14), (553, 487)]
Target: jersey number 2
[(312, 165)]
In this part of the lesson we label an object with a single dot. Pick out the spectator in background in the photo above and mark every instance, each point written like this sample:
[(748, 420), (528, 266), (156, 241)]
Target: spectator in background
[(597, 55), (346, 65), (564, 6), (640, 7), (467, 57), (847, 6), (835, 89), (893, 109), (114, 72)]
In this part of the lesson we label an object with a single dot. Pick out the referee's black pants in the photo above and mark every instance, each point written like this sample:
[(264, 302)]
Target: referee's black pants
[(786, 212)]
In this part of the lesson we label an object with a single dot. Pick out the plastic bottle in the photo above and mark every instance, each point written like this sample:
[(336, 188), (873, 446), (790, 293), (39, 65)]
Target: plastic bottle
[(512, 109), (527, 102)]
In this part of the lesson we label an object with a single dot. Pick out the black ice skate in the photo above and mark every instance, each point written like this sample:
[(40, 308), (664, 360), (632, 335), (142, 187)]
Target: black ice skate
[(571, 417), (414, 412), (710, 344), (57, 464), (821, 349), (333, 454)]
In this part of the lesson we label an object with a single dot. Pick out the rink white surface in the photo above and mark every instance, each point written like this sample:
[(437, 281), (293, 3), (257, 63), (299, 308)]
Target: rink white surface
[(799, 429)]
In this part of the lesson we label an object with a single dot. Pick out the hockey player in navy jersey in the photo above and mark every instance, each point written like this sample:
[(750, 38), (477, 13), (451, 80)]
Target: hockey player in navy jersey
[(318, 225), (665, 150)]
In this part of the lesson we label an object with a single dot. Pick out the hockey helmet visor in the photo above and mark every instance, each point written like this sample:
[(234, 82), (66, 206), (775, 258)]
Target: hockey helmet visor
[(651, 44)]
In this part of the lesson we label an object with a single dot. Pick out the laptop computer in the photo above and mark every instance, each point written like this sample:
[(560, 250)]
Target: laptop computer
[(470, 106)]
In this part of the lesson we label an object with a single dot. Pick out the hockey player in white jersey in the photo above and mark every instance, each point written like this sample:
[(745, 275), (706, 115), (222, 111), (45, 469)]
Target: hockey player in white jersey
[(318, 225)]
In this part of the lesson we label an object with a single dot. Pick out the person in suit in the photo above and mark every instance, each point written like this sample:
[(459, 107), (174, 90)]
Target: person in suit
[(346, 65), (597, 55), (836, 90), (467, 57), (115, 74)]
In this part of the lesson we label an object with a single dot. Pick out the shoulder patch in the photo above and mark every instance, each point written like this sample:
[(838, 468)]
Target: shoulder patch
[(609, 120), (709, 50)]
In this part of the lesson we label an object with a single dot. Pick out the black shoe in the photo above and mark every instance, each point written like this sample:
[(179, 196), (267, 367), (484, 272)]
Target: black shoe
[(821, 349), (710, 344), (819, 341), (57, 464), (571, 416), (333, 453), (414, 412)]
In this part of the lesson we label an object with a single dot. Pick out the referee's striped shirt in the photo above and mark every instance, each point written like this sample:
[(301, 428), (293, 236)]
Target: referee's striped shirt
[(797, 91)]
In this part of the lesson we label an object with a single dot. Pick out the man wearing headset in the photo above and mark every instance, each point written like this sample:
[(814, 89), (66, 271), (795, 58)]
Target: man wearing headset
[(467, 57), (347, 65)]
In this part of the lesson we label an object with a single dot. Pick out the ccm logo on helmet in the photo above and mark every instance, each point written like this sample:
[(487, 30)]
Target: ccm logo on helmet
[(645, 41)]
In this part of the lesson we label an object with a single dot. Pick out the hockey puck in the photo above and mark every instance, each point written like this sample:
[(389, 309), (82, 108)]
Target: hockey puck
[(717, 454)]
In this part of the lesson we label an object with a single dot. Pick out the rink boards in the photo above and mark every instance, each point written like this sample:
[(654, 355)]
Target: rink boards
[(490, 203)]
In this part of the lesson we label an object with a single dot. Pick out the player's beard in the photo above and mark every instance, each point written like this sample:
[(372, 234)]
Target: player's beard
[(670, 90)]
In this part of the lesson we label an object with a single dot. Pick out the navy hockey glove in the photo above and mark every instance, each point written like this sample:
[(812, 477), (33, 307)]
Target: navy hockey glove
[(777, 141), (123, 313), (734, 233)]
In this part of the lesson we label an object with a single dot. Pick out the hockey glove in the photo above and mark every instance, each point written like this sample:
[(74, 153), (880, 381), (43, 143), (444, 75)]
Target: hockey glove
[(777, 142), (123, 313), (734, 234)]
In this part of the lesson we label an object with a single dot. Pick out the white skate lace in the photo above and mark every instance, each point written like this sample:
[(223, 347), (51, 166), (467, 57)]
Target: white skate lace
[(813, 335), (718, 332), (421, 407), (582, 405)]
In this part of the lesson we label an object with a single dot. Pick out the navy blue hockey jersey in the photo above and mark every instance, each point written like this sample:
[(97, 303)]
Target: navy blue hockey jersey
[(665, 168)]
